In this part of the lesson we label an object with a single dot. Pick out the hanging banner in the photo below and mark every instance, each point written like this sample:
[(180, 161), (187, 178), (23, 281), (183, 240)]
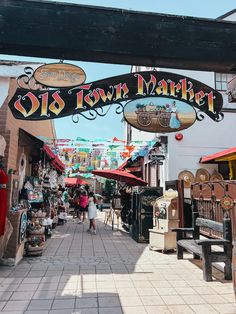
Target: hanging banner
[(92, 97)]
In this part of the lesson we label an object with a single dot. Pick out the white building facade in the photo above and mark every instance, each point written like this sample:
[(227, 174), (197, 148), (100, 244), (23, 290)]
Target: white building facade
[(202, 138)]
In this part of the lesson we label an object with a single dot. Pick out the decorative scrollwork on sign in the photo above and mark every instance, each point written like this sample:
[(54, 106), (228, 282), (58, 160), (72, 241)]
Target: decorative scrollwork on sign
[(120, 108), (93, 113), (27, 80), (200, 116), (219, 117)]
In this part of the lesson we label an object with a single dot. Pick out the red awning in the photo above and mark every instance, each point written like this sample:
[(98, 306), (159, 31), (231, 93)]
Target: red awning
[(120, 176), (74, 181), (213, 158), (56, 162)]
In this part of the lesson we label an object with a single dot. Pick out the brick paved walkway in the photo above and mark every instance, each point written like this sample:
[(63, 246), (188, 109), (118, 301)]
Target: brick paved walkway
[(108, 273)]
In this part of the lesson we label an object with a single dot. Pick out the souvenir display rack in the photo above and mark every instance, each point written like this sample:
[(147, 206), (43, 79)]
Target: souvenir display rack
[(41, 194), (35, 231)]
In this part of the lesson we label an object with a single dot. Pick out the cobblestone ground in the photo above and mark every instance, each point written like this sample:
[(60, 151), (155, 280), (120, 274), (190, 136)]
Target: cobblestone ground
[(108, 273)]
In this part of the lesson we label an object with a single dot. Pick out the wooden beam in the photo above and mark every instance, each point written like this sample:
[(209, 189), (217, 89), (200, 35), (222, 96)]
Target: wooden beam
[(87, 33)]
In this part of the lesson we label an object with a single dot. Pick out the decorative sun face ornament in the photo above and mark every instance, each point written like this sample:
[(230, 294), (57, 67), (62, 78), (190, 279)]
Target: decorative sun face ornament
[(227, 202)]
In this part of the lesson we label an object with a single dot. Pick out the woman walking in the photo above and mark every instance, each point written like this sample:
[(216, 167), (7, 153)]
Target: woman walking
[(92, 212), (83, 203)]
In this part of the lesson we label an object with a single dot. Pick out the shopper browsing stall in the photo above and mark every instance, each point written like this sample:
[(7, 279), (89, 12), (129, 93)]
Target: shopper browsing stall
[(65, 199)]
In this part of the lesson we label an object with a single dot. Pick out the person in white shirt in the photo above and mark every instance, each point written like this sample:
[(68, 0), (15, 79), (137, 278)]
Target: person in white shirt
[(92, 212)]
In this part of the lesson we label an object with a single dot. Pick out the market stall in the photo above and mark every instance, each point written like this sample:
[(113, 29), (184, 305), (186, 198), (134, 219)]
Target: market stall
[(34, 197)]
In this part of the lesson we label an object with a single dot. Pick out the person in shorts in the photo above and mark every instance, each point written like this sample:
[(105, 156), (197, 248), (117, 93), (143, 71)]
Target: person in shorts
[(92, 212), (83, 204)]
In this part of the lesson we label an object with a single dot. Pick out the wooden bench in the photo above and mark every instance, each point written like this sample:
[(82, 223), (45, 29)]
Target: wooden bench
[(188, 239)]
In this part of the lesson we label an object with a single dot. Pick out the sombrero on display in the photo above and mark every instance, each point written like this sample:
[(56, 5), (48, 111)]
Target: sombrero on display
[(216, 176), (187, 177), (202, 175)]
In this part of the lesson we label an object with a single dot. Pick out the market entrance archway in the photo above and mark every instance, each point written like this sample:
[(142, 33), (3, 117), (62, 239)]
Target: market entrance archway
[(89, 33), (100, 34)]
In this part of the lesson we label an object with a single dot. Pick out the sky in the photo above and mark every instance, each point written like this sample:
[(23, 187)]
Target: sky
[(112, 125)]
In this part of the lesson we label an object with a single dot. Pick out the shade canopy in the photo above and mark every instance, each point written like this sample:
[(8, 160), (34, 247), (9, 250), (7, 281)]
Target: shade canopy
[(121, 176), (74, 181), (224, 155), (56, 162)]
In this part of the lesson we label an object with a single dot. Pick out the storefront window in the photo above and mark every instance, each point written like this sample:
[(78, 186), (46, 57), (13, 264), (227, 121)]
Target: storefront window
[(221, 80)]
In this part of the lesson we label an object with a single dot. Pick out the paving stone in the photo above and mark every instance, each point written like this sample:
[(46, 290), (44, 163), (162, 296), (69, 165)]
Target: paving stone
[(151, 300), (109, 273), (17, 296), (64, 311), (134, 310), (213, 298), (63, 304), (157, 309), (203, 308), (109, 310), (181, 309), (27, 287), (130, 301), (40, 305), (36, 312), (16, 306), (44, 295), (172, 300), (86, 311), (109, 301), (224, 308), (12, 280), (2, 304), (193, 299), (8, 287), (86, 303), (33, 280), (47, 286), (5, 295), (14, 312)]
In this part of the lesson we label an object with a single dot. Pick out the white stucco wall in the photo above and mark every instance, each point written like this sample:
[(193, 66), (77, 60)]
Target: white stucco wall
[(203, 138)]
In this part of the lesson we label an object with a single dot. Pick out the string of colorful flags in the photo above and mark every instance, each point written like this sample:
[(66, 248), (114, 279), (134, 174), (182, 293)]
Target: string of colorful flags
[(81, 156)]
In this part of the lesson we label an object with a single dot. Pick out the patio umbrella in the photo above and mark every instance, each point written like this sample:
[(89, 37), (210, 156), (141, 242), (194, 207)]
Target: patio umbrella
[(120, 176), (74, 181)]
